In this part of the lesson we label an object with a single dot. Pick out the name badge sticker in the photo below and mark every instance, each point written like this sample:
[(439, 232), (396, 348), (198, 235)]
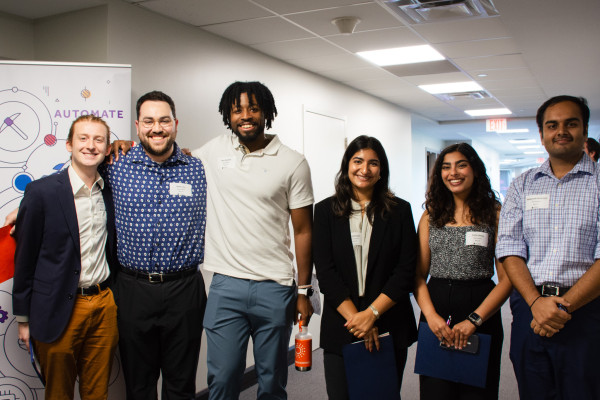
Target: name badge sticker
[(477, 239), (356, 238), (180, 189), (537, 201), (226, 162)]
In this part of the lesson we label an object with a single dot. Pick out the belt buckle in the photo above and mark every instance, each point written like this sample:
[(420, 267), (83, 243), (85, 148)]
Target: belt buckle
[(155, 277), (550, 290)]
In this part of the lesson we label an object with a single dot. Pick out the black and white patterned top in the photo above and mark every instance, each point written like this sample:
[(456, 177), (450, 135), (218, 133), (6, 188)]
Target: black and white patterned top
[(461, 252)]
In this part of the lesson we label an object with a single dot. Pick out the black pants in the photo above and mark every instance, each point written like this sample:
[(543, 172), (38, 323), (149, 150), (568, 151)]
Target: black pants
[(160, 327), (458, 299), (335, 373)]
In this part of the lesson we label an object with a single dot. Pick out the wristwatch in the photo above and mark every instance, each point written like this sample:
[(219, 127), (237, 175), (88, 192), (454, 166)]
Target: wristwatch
[(475, 319), (306, 291)]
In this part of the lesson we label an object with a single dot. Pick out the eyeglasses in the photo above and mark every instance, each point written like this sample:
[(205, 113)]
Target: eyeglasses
[(163, 122)]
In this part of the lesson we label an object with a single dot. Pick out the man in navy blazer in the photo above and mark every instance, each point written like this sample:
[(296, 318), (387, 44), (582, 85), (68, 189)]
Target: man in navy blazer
[(65, 253)]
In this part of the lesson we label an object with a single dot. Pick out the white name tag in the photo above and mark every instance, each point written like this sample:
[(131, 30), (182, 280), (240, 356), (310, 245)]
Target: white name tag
[(356, 238), (226, 162), (476, 239), (535, 201), (180, 189)]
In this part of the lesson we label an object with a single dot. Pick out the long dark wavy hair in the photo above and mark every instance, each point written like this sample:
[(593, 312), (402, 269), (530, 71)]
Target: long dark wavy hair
[(383, 198), (482, 201)]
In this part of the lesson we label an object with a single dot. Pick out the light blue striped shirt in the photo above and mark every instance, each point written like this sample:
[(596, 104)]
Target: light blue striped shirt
[(553, 223)]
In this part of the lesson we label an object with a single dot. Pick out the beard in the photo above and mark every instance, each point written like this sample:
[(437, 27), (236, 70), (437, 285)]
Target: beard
[(158, 151)]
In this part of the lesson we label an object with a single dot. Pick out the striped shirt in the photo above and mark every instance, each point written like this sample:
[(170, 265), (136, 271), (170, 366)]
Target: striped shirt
[(553, 224)]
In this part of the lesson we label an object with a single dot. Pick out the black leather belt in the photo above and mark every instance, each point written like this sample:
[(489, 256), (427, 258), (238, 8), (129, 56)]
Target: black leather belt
[(156, 277), (93, 290), (551, 290)]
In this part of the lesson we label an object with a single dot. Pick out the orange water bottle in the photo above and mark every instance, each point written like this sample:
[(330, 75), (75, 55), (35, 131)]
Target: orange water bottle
[(303, 349)]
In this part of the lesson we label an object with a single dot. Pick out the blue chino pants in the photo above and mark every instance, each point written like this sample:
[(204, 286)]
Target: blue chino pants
[(236, 310)]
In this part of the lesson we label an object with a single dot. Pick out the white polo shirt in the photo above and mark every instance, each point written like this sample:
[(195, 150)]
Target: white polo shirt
[(248, 207)]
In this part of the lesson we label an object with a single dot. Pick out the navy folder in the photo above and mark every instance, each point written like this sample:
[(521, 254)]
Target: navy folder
[(451, 365), (371, 375)]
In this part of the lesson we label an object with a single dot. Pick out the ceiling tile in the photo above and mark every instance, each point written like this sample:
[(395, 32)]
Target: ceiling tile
[(439, 78), (261, 30), (206, 12), (356, 74), (372, 17), (491, 63), (293, 6), (329, 63), (298, 49), (377, 39), (464, 30), (426, 68), (478, 48)]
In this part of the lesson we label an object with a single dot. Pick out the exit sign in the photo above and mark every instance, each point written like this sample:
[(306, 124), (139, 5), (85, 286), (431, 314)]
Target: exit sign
[(495, 125)]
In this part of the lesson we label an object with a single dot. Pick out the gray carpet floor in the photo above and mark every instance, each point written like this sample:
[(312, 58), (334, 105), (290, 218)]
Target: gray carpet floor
[(310, 385)]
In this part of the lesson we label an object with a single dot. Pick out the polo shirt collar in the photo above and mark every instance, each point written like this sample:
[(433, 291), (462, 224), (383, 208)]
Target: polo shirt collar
[(270, 150)]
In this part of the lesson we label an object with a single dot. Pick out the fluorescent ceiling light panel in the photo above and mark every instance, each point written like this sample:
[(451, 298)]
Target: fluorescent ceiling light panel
[(521, 141), (518, 130), (529, 147), (489, 111), (402, 55), (509, 161), (454, 87), (533, 152)]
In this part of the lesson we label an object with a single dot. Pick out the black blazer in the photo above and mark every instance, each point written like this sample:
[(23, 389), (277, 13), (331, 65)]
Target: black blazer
[(48, 255), (390, 270)]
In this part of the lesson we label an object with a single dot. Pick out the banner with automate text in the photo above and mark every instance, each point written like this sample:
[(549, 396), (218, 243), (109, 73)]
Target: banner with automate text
[(38, 102)]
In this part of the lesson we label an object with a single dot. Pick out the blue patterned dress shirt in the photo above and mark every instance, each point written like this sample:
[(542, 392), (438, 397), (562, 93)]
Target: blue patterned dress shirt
[(160, 210)]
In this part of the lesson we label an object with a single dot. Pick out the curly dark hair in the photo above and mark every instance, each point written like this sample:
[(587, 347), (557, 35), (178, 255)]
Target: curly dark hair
[(261, 93), (383, 198), (482, 201)]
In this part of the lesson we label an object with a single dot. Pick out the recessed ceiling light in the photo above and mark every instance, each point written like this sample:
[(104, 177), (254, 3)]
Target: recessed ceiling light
[(509, 161), (402, 55), (482, 75), (521, 141), (489, 111), (533, 152), (537, 146), (518, 130), (453, 87)]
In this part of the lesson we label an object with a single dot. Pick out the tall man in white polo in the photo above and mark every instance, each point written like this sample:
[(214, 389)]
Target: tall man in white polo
[(255, 185)]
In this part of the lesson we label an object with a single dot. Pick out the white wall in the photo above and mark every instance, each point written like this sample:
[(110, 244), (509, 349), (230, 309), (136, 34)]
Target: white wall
[(491, 160), (194, 67)]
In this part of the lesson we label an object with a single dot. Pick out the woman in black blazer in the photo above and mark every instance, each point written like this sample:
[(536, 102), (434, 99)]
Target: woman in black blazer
[(364, 248)]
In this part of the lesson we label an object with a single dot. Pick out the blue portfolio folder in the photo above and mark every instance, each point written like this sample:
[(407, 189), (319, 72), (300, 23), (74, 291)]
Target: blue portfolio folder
[(371, 375), (451, 365)]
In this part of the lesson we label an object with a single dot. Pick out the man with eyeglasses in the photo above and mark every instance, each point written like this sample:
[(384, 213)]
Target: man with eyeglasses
[(160, 211)]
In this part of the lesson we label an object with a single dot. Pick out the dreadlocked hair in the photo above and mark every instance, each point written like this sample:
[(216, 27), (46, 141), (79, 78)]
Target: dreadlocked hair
[(262, 94)]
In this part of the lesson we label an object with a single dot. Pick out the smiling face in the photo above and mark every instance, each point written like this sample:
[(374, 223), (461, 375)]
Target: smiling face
[(247, 120), (88, 146), (457, 174), (563, 132), (364, 172), (157, 129)]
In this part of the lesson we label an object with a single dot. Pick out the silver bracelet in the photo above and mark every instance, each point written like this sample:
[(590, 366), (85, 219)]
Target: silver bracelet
[(375, 312)]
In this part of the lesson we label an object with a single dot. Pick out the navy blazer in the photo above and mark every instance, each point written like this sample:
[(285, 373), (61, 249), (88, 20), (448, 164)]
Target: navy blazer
[(390, 270), (48, 255)]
